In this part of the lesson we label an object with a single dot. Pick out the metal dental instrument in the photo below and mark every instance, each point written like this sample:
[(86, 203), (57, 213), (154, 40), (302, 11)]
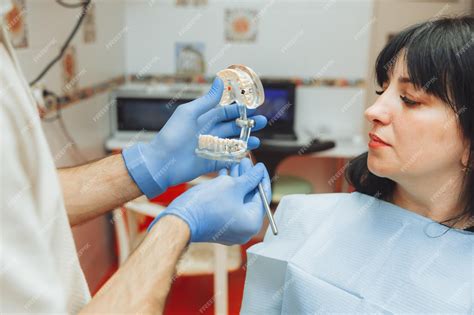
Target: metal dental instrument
[(266, 204)]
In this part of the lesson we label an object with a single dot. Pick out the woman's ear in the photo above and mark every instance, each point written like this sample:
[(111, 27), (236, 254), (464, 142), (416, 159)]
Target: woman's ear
[(465, 156)]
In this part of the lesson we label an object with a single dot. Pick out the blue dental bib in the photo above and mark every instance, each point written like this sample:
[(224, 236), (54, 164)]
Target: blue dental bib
[(353, 253)]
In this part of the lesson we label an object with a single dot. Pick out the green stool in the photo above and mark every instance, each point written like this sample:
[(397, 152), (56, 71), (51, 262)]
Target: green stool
[(290, 185)]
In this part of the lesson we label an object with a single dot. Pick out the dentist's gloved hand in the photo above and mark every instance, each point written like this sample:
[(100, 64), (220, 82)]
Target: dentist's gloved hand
[(226, 209), (170, 159)]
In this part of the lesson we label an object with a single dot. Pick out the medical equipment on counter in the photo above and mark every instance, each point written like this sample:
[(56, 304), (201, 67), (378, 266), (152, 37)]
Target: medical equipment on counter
[(353, 253), (242, 86), (138, 111)]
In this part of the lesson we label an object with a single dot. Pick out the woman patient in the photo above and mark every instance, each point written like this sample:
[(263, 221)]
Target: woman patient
[(404, 241)]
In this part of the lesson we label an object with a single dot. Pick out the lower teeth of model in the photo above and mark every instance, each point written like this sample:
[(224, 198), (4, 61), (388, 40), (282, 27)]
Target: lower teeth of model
[(216, 144)]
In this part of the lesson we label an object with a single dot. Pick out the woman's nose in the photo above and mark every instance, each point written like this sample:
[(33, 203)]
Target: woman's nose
[(378, 112)]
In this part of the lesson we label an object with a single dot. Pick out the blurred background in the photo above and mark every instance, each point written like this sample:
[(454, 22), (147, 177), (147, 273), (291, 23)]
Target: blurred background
[(131, 62)]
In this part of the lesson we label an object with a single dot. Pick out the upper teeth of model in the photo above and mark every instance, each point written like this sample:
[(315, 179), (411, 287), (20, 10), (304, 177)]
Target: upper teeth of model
[(217, 144)]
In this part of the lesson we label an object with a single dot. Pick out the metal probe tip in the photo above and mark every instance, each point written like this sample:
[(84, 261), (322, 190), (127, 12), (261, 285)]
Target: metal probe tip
[(266, 204)]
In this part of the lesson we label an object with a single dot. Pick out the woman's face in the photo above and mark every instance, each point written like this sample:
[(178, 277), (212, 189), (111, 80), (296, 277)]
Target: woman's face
[(420, 131)]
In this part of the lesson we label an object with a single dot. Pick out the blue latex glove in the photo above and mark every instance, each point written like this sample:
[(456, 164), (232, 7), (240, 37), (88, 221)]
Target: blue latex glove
[(226, 209), (170, 159)]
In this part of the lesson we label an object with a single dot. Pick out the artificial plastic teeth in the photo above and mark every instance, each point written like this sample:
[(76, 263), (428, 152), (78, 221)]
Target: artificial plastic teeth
[(218, 145)]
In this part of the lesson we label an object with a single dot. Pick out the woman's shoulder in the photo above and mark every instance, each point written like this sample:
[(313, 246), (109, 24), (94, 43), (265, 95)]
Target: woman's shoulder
[(311, 210)]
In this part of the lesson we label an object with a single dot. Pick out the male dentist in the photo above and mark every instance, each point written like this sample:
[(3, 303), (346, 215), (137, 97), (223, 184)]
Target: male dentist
[(40, 271)]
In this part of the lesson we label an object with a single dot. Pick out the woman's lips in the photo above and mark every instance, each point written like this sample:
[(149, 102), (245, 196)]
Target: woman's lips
[(376, 142)]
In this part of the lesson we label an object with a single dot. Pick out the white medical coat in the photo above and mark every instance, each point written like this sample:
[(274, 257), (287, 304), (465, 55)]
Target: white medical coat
[(40, 271)]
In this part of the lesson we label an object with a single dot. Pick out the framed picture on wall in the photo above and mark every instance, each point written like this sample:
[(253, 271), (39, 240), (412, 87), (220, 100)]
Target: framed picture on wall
[(241, 25), (69, 70), (89, 26), (191, 2), (190, 58), (15, 22)]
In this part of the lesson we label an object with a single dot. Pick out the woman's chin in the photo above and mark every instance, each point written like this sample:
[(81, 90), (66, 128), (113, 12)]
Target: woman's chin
[(378, 167)]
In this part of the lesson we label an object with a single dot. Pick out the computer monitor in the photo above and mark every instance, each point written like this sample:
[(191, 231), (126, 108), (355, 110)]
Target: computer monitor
[(279, 108), (147, 114)]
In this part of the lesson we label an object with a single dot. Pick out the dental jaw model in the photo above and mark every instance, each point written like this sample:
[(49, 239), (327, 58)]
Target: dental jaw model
[(242, 86)]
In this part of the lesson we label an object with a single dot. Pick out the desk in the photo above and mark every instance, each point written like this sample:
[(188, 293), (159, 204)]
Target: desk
[(340, 149), (272, 152)]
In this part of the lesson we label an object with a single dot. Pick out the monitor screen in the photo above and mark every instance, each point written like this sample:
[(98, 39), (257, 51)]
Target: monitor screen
[(149, 114), (279, 108)]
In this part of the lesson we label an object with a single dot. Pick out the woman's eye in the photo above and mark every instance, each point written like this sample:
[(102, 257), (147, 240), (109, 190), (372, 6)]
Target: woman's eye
[(379, 92), (408, 101)]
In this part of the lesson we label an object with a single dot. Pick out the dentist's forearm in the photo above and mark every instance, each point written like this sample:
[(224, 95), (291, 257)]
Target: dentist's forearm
[(142, 284), (95, 188)]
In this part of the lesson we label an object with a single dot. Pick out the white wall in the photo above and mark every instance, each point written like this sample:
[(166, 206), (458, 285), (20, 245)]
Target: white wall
[(88, 132), (48, 26), (296, 38)]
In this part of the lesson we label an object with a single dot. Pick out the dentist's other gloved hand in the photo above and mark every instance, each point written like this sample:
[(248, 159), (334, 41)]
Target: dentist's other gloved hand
[(226, 209), (170, 159)]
